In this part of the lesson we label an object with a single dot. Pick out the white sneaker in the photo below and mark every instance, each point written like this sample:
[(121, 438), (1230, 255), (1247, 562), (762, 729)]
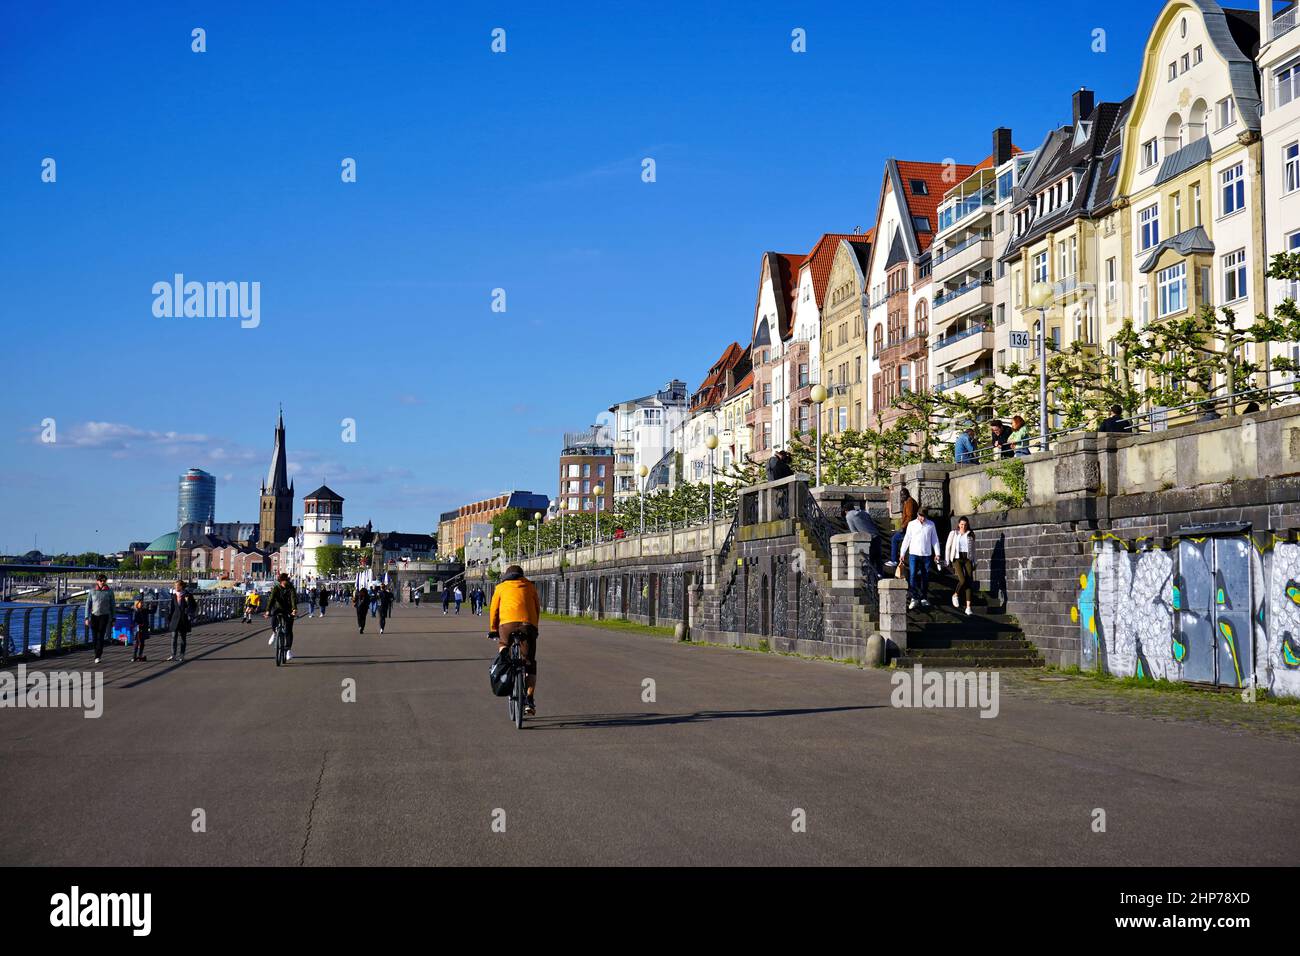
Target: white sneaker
[(381, 630), (96, 660), (270, 640), (911, 605), (968, 610), (924, 603), (288, 655), (955, 602)]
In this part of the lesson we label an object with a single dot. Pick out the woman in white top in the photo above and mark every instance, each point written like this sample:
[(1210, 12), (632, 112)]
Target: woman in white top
[(959, 553)]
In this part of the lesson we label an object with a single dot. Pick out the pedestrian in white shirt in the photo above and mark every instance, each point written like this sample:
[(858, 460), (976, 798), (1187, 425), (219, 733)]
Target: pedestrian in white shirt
[(920, 545), (959, 552)]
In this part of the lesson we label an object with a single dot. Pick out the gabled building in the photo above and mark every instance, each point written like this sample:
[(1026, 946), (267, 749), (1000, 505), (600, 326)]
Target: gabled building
[(1279, 67), (1190, 172), (706, 416), (1058, 217), (844, 337), (899, 280), (773, 331)]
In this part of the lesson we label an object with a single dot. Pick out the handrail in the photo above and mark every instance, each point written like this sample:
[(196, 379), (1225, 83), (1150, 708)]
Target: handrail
[(952, 251), (947, 297), (958, 336)]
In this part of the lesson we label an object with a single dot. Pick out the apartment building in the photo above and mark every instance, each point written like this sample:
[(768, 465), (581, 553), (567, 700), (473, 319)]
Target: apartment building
[(1191, 167), (708, 416), (1009, 175), (643, 430), (1279, 68), (772, 335), (586, 463), (1057, 219), (962, 275), (844, 336)]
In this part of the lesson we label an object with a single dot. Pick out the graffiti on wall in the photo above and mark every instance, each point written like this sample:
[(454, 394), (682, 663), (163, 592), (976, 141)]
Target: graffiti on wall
[(1223, 610)]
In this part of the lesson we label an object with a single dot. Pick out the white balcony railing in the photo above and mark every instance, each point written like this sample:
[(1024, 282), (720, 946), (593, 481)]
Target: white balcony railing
[(1284, 22)]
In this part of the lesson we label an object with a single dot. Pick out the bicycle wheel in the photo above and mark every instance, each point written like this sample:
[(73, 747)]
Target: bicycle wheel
[(279, 647), (521, 695)]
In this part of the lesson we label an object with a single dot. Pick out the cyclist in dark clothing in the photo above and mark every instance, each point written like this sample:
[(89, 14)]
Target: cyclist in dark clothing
[(282, 605)]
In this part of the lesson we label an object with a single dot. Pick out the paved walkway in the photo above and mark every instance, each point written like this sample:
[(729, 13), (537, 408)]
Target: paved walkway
[(414, 771)]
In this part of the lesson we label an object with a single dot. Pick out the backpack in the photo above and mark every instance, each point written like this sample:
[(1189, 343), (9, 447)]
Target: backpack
[(501, 674)]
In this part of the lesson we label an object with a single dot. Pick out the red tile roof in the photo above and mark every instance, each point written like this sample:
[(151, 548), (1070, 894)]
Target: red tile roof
[(788, 265), (938, 179), (744, 383), (822, 258), (709, 394)]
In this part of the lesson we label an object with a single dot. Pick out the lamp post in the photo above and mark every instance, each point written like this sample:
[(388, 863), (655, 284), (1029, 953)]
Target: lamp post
[(818, 395), (1040, 296), (711, 443), (599, 492), (642, 471), (537, 538), (519, 534)]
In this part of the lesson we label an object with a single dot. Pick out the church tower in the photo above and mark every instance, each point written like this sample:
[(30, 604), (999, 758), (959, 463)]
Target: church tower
[(276, 514)]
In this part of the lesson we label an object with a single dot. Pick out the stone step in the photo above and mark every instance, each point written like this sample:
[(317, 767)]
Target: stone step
[(929, 642), (955, 661)]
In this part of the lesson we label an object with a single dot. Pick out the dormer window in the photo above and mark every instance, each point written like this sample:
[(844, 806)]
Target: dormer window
[(919, 187)]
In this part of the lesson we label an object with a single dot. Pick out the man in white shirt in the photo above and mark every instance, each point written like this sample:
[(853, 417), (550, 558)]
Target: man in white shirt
[(920, 544)]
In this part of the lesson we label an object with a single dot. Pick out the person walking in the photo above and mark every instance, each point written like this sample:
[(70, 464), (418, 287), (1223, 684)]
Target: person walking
[(374, 601), (458, 595), (920, 546), (324, 600), (99, 612), (312, 594), (415, 596), (446, 598), (909, 515), (181, 619), (361, 601), (140, 623), (385, 605), (959, 553)]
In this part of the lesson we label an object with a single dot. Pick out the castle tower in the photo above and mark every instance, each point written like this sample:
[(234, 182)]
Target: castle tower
[(322, 525), (276, 514)]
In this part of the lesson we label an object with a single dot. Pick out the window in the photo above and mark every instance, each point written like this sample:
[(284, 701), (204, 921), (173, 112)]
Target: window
[(1000, 316), (1234, 275), (586, 471), (1185, 63), (1005, 185), (1293, 245), (921, 223), (586, 487), (600, 471), (1150, 153), (1197, 55), (1040, 267), (1110, 281), (1172, 285), (1232, 189), (1144, 306), (766, 398), (573, 471), (1176, 208), (1149, 225), (1173, 70), (1286, 81), (857, 369), (766, 437), (844, 418), (1002, 360), (1196, 204), (904, 377), (877, 341), (1291, 167), (803, 419), (803, 371), (920, 187), (1226, 111), (922, 318)]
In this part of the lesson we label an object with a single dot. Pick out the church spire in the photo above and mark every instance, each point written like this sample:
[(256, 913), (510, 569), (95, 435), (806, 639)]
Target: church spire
[(277, 479)]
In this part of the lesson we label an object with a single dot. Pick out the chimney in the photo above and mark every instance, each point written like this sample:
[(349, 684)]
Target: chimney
[(1082, 104), (1001, 146)]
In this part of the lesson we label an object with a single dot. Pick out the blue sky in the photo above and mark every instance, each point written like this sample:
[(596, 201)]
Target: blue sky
[(475, 171)]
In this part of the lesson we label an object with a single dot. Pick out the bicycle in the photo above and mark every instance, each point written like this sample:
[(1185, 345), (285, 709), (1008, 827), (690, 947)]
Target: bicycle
[(281, 640), (519, 684)]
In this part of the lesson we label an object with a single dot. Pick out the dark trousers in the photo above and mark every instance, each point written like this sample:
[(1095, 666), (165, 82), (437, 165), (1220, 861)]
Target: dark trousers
[(141, 634), (178, 641), (99, 625), (383, 616), (965, 584), (895, 542), (288, 629), (919, 576), (361, 618)]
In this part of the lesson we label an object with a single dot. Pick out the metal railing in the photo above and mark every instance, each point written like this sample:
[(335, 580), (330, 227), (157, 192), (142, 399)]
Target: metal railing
[(963, 379), (42, 629), (962, 290), (958, 336), (1284, 22), (952, 251)]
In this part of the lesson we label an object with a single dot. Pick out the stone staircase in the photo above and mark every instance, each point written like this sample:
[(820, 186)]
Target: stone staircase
[(943, 636), (849, 608)]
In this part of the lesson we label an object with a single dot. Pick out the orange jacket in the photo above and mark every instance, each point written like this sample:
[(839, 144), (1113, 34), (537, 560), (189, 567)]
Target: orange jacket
[(514, 601)]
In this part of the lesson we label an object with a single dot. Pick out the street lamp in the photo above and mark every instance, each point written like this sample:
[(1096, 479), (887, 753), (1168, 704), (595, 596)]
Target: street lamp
[(711, 443), (519, 533), (818, 395), (642, 471), (537, 538), (1040, 297), (598, 491)]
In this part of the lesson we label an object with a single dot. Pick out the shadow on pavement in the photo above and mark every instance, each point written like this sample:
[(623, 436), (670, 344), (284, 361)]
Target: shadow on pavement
[(596, 721)]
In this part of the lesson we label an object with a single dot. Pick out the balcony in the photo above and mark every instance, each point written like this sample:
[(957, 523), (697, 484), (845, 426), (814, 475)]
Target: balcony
[(966, 300), (971, 255), (903, 348), (972, 376), (1284, 22), (974, 204), (953, 350)]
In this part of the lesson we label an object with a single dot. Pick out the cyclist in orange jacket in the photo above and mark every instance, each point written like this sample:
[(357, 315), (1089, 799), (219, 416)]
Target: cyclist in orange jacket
[(516, 610)]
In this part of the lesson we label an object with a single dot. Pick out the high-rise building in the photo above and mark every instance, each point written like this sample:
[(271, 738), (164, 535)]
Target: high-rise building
[(197, 498), (276, 512)]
